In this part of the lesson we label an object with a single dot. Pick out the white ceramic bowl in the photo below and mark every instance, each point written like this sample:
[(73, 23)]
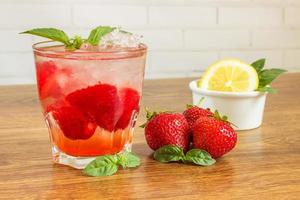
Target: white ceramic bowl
[(244, 109)]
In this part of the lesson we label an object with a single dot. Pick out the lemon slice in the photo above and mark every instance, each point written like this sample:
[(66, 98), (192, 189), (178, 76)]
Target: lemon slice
[(230, 75)]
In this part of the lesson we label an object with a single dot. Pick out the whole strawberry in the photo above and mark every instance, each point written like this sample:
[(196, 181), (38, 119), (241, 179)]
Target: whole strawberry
[(192, 113), (214, 135), (167, 128)]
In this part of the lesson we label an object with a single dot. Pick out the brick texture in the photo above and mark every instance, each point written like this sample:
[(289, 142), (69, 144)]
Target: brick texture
[(183, 36)]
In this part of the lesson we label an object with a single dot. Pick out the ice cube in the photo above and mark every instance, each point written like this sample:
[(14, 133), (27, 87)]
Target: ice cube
[(119, 38), (114, 40), (87, 47)]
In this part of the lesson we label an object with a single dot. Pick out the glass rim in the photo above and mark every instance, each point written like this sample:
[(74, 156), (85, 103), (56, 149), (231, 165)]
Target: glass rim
[(37, 48)]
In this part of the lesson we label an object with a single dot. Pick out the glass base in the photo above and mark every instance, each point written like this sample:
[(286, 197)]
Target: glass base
[(77, 162)]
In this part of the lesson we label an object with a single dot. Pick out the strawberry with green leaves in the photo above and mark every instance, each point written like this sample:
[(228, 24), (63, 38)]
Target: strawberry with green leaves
[(192, 113), (214, 134), (165, 129)]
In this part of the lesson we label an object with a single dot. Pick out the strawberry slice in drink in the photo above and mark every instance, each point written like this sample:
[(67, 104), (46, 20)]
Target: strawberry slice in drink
[(51, 79), (73, 123), (130, 102), (100, 102)]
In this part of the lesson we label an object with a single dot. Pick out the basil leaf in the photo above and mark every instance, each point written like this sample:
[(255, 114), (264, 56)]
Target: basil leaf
[(199, 157), (128, 160), (102, 166), (50, 33), (259, 64), (96, 34), (266, 76), (169, 153)]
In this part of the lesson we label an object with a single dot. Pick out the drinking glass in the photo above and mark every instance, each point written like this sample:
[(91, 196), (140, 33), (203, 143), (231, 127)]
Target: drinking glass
[(90, 99)]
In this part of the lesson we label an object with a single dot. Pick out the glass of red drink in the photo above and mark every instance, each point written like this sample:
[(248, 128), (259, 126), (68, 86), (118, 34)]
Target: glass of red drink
[(90, 99)]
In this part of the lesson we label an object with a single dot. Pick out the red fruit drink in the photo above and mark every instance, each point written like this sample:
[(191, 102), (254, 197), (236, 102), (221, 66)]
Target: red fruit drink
[(90, 99)]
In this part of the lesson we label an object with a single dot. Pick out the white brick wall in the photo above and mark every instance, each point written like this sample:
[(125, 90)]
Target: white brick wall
[(184, 36), (32, 15), (216, 39), (161, 39), (185, 62), (254, 16), (292, 16), (291, 59), (276, 39), (182, 16), (115, 15)]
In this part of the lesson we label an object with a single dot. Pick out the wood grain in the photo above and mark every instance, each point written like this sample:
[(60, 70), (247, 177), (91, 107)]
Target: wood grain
[(264, 165)]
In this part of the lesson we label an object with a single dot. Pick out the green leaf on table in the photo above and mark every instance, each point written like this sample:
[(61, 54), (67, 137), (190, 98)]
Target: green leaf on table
[(97, 33), (199, 157), (128, 160), (266, 76), (259, 64), (102, 166), (108, 165), (50, 33), (169, 153)]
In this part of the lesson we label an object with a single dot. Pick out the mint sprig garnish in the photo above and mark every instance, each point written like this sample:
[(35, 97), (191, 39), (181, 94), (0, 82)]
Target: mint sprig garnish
[(71, 43), (109, 164), (75, 43), (266, 76), (172, 153), (259, 64), (50, 33), (97, 33)]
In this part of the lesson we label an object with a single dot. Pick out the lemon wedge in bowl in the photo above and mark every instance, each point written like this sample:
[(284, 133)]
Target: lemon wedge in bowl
[(229, 75)]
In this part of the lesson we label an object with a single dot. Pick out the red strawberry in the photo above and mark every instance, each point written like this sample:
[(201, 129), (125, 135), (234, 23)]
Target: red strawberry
[(72, 122), (130, 102), (167, 128), (99, 102), (192, 113), (44, 70), (51, 79), (213, 135)]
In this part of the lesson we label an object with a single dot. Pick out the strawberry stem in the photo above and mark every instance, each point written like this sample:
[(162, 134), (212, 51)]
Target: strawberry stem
[(223, 118), (150, 115), (200, 101), (198, 104)]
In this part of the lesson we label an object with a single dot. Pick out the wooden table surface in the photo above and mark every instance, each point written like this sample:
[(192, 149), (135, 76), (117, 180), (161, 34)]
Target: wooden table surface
[(264, 165)]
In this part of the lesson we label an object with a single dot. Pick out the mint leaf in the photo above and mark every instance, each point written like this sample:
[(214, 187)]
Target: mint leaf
[(75, 43), (128, 160), (169, 153), (266, 89), (172, 153), (108, 165), (50, 33), (98, 32), (199, 157), (266, 76), (102, 166), (259, 64)]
